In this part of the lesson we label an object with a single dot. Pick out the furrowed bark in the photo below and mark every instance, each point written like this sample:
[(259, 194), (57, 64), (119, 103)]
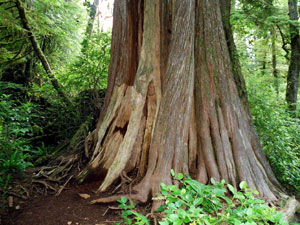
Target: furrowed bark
[(125, 47), (225, 6), (170, 135)]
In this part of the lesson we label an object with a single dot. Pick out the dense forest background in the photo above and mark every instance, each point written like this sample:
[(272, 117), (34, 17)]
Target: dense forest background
[(54, 58)]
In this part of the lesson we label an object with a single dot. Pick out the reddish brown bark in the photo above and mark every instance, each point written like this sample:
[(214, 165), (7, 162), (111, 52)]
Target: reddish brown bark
[(178, 106)]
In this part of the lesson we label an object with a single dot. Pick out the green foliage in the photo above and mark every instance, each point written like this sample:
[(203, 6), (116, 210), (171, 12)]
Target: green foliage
[(15, 127), (35, 124), (278, 130), (253, 23), (60, 24), (20, 123), (196, 203), (129, 215), (57, 25), (90, 70)]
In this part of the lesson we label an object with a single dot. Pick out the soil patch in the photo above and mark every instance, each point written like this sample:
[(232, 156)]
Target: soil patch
[(66, 209)]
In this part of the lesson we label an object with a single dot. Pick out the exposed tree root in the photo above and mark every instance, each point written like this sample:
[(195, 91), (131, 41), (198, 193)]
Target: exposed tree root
[(110, 208), (55, 176), (46, 185), (291, 207), (114, 198), (18, 195)]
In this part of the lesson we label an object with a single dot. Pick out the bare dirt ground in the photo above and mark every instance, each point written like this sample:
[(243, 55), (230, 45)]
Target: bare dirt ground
[(66, 209)]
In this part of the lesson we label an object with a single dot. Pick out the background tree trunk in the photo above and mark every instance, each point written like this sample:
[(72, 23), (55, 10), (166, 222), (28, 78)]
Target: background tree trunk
[(93, 11), (173, 102), (274, 61), (294, 67)]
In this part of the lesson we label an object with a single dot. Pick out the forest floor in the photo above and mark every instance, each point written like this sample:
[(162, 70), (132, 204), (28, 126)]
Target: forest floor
[(66, 209), (69, 208)]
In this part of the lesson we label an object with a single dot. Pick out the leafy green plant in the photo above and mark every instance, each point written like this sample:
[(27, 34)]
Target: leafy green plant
[(90, 70), (196, 203), (15, 127), (129, 215), (278, 130)]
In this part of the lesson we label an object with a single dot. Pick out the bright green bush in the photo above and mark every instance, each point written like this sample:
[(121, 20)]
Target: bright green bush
[(129, 215), (196, 203), (90, 70)]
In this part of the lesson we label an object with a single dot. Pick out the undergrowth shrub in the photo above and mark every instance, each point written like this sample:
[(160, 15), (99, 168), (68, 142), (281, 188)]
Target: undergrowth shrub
[(36, 125), (278, 130), (20, 124), (196, 203), (34, 131), (15, 129)]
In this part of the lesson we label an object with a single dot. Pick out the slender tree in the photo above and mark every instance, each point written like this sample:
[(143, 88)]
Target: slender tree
[(274, 60), (93, 11), (175, 100), (40, 53), (294, 67)]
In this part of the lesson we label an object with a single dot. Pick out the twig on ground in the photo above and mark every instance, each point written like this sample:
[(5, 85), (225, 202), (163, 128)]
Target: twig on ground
[(62, 188), (110, 207)]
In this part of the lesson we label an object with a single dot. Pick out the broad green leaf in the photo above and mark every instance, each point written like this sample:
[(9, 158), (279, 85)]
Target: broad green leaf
[(231, 188), (172, 172), (243, 185), (179, 176)]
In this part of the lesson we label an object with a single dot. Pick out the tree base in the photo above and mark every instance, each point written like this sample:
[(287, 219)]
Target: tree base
[(290, 210)]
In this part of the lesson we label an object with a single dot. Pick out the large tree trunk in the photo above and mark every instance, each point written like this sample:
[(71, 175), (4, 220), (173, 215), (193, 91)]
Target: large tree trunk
[(294, 67), (172, 102)]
